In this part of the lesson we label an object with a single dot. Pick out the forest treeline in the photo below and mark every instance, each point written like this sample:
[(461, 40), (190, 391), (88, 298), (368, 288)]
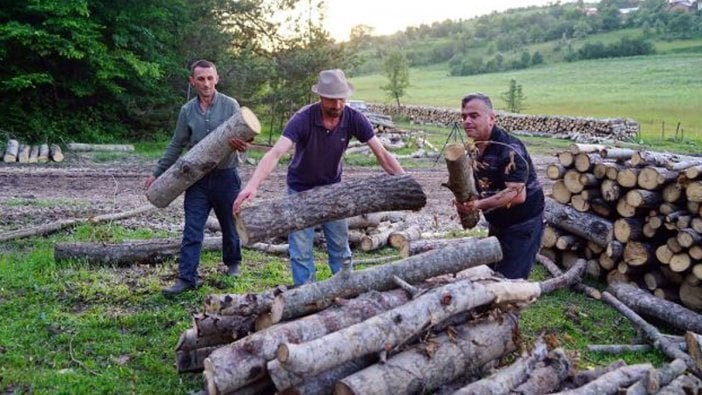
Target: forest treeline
[(105, 71)]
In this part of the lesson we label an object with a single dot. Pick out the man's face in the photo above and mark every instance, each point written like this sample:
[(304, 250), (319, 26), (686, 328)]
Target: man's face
[(478, 120), (332, 107), (204, 80)]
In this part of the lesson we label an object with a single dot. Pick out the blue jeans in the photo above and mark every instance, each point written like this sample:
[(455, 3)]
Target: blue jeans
[(520, 243), (301, 244), (216, 190)]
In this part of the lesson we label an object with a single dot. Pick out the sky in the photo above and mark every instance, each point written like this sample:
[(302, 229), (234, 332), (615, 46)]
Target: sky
[(389, 16)]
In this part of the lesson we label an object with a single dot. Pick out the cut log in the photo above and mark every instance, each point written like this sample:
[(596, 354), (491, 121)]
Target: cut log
[(586, 225), (615, 250), (691, 296), (628, 177), (401, 239), (370, 220), (680, 262), (242, 304), (34, 154), (504, 380), (646, 304), (626, 229), (569, 243), (11, 151), (657, 378), (279, 217), (555, 171), (688, 237), (693, 191), (652, 178), (202, 158), (547, 378), (469, 347), (23, 153), (240, 363), (578, 148), (611, 191), (617, 153), (454, 258), (551, 235), (673, 192), (655, 280), (584, 162), (600, 207), (80, 147), (660, 159), (55, 153), (377, 240), (461, 181), (641, 198), (324, 382), (583, 377), (637, 253), (560, 192), (566, 158), (684, 384), (423, 245), (43, 153), (693, 172), (611, 382), (572, 181)]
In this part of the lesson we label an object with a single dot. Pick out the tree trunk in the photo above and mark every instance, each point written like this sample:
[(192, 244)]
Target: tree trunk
[(311, 297), (55, 153), (586, 225), (414, 371), (202, 158), (547, 379), (242, 304), (244, 361), (641, 198), (659, 159), (461, 181), (583, 377), (423, 245), (611, 382), (646, 304), (79, 147), (323, 383), (11, 151), (278, 217)]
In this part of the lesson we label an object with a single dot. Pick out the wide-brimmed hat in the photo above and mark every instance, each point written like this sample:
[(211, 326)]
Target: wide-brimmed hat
[(333, 84)]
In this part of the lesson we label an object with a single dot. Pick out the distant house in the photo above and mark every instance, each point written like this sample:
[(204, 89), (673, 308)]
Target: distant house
[(681, 6)]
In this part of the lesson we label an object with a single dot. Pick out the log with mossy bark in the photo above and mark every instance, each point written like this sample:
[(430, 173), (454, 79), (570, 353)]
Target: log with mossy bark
[(280, 216), (202, 158)]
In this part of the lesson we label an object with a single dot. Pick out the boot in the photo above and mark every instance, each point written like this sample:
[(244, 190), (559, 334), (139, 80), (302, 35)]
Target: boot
[(234, 270), (179, 287)]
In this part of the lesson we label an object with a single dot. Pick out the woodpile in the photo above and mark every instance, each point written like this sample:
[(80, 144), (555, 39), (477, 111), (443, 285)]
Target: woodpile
[(575, 128), (16, 152), (634, 215), (398, 139), (416, 325)]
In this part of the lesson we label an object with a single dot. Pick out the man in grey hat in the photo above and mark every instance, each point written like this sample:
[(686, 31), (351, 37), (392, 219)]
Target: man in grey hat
[(320, 132)]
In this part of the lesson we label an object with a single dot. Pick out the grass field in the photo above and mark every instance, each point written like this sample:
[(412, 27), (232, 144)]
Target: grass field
[(654, 90)]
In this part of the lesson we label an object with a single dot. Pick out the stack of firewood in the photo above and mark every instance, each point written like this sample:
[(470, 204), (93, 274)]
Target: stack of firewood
[(27, 153), (418, 324), (580, 128), (635, 215)]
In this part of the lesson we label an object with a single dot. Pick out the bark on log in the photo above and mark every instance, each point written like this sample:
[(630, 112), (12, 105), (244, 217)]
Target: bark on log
[(202, 158), (611, 190), (504, 380), (278, 217), (242, 304), (472, 345), (617, 153), (641, 198), (546, 379), (23, 153), (310, 297), (401, 239), (691, 296), (461, 181), (34, 154), (323, 383), (638, 253), (583, 377), (685, 384), (659, 159), (43, 153), (370, 220), (127, 253), (55, 153), (652, 178), (378, 240), (244, 361), (555, 171), (191, 361), (585, 225), (11, 151), (80, 147), (694, 342), (626, 229), (611, 382), (646, 304), (556, 272)]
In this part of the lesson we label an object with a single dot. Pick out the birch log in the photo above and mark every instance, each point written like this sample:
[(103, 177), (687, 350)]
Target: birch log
[(412, 371), (311, 297), (202, 158), (278, 217), (461, 181)]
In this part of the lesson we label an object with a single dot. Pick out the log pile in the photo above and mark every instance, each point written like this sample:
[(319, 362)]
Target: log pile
[(575, 128), (414, 325), (16, 152), (634, 215), (398, 139)]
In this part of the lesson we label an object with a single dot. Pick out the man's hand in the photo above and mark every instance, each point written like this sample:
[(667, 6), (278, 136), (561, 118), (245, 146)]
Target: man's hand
[(149, 181), (468, 207), (244, 196), (237, 144)]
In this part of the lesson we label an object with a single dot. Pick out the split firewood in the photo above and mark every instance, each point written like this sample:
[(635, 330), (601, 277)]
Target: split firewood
[(312, 297), (202, 158), (611, 382), (387, 330), (588, 226), (61, 224), (55, 153), (11, 151), (504, 380), (80, 147), (280, 216), (249, 355), (437, 359), (461, 181)]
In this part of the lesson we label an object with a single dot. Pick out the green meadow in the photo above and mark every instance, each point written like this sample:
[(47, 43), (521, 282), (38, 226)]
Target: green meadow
[(658, 91)]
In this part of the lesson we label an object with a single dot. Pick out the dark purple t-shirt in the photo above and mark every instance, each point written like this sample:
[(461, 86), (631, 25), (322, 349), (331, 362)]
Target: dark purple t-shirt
[(318, 151)]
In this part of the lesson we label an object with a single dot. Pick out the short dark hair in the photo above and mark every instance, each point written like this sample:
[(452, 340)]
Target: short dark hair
[(477, 96), (201, 63)]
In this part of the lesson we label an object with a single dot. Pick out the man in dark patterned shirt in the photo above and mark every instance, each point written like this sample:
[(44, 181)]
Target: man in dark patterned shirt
[(511, 197)]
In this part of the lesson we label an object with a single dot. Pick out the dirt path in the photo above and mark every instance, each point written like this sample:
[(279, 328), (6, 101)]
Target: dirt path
[(78, 188)]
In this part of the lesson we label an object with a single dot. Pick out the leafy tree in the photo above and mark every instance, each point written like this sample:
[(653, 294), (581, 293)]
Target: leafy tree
[(396, 69), (514, 97)]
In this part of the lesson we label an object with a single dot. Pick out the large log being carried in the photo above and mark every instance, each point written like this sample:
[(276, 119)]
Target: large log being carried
[(586, 225), (278, 217), (310, 297), (202, 158), (461, 181)]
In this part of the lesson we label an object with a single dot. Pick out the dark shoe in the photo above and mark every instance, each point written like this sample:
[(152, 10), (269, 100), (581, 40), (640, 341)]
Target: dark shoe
[(179, 287), (233, 270)]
